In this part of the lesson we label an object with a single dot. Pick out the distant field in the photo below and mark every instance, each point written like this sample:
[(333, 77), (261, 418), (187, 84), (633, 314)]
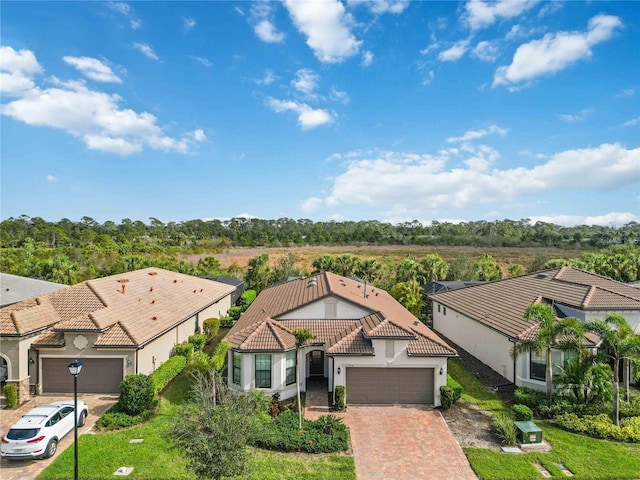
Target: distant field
[(504, 255)]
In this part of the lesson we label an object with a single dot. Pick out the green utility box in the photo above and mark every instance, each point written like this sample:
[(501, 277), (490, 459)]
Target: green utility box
[(528, 432)]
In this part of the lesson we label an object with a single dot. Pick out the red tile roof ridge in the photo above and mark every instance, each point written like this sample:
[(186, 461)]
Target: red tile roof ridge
[(345, 338), (386, 321), (95, 291), (271, 324), (587, 298)]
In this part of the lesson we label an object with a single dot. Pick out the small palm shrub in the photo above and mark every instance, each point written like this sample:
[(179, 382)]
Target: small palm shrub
[(10, 395), (505, 429)]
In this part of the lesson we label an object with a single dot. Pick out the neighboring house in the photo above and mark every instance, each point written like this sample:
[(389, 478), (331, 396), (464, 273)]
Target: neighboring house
[(235, 282), (365, 340), (14, 289), (443, 286), (487, 320), (117, 325)]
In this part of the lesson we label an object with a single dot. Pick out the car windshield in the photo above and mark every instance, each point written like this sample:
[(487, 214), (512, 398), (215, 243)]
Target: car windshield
[(22, 433)]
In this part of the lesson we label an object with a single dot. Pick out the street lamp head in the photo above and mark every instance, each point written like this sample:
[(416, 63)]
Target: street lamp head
[(75, 367)]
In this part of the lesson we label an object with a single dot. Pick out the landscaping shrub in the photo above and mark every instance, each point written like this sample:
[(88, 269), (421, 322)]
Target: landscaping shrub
[(136, 393), (324, 435), (114, 421), (457, 388), (210, 327), (601, 426), (530, 397), (522, 413), (246, 298), (183, 349), (505, 429), (340, 398), (226, 322), (562, 405), (167, 372), (276, 406), (198, 341), (10, 392), (632, 407), (235, 312), (450, 393)]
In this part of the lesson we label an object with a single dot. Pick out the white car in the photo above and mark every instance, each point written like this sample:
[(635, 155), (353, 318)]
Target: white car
[(37, 433)]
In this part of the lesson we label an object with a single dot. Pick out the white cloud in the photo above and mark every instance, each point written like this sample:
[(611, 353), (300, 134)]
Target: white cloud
[(555, 52), (367, 59), (135, 23), (487, 51), (578, 117), (455, 52), (52, 178), (146, 50), (260, 18), (414, 184), (379, 7), (188, 23), (608, 219), (481, 14), (475, 134), (306, 82), (204, 61), (120, 7), (311, 204), (308, 117), (427, 50), (339, 96), (627, 92), (93, 116), (93, 68), (631, 123), (268, 78), (16, 71), (326, 26)]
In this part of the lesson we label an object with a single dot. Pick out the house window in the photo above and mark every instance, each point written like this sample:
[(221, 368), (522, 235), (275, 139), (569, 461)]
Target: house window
[(291, 368), (263, 371), (438, 308), (538, 366), (444, 310), (237, 367)]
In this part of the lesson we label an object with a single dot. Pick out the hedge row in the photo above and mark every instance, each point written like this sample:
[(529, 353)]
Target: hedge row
[(167, 372), (601, 426)]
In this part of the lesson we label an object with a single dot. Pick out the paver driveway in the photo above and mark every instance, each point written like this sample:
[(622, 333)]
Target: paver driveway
[(30, 469), (404, 442)]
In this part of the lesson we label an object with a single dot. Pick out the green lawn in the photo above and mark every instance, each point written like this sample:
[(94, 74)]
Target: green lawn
[(585, 457), (156, 458)]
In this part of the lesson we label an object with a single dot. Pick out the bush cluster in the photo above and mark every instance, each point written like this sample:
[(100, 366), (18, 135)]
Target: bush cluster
[(198, 340), (450, 393), (632, 407), (601, 426), (226, 321), (167, 372), (247, 298), (10, 392), (341, 394), (325, 435), (522, 413), (505, 429), (136, 394), (114, 419), (530, 397), (210, 327), (184, 349)]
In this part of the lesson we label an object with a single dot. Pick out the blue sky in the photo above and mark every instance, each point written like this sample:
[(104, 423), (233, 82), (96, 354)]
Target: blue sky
[(327, 110)]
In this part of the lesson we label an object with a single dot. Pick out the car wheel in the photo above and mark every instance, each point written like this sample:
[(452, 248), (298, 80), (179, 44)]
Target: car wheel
[(83, 419), (52, 446)]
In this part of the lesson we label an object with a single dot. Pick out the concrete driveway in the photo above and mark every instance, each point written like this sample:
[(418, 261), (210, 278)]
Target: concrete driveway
[(404, 442), (29, 469)]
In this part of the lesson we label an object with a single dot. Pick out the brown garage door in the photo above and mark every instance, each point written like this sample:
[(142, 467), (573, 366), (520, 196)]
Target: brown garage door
[(390, 385), (98, 375)]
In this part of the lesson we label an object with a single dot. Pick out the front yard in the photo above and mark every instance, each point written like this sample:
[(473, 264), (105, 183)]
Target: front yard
[(156, 457), (585, 457)]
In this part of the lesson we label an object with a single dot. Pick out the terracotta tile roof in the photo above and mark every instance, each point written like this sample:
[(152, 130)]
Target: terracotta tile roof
[(355, 343), (425, 347), (50, 339), (115, 336), (145, 303), (589, 340), (386, 318), (501, 304), (268, 335)]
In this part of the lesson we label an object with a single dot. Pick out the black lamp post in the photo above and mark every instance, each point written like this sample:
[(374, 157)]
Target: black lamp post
[(74, 369)]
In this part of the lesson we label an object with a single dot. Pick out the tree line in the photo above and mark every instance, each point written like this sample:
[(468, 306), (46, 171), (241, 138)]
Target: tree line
[(253, 232)]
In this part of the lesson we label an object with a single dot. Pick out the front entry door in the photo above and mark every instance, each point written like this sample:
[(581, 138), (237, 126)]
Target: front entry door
[(316, 362)]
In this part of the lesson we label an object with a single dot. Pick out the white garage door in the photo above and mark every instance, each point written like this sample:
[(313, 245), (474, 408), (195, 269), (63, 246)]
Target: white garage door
[(390, 385), (98, 375)]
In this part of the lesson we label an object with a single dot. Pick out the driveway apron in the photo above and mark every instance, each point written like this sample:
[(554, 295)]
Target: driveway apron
[(404, 442), (30, 469)]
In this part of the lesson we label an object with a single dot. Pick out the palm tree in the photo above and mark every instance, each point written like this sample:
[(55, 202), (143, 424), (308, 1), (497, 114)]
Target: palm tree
[(302, 336), (565, 334), (619, 343), (211, 364), (434, 267), (410, 296), (586, 378)]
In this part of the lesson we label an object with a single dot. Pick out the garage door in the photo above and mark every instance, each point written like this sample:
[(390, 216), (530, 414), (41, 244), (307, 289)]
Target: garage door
[(390, 385), (98, 375)]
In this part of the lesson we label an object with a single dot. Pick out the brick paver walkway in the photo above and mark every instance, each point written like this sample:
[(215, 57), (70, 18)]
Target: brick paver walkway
[(316, 399), (30, 469), (400, 442)]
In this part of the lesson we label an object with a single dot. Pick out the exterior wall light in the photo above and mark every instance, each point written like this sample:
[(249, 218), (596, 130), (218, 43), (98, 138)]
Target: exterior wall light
[(441, 370), (339, 370)]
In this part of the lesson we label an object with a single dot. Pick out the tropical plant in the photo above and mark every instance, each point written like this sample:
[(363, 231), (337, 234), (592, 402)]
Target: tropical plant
[(210, 365), (410, 296), (585, 378), (434, 268), (302, 336), (565, 334), (619, 343)]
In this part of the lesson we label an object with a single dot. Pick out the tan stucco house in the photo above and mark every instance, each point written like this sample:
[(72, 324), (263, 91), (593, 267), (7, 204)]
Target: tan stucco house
[(117, 325), (364, 340), (487, 320)]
